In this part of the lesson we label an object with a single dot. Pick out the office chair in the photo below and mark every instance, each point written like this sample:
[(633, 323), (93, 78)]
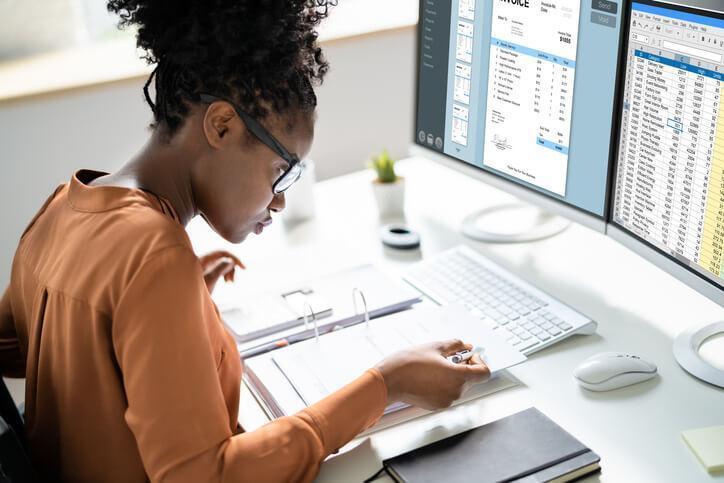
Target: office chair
[(14, 462)]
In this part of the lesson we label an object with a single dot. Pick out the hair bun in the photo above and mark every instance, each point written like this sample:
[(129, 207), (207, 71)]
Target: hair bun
[(247, 50)]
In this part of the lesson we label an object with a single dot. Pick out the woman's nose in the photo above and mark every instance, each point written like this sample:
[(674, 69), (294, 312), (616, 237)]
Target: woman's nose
[(278, 203)]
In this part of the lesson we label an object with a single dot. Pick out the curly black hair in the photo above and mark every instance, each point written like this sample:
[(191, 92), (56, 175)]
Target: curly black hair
[(262, 54)]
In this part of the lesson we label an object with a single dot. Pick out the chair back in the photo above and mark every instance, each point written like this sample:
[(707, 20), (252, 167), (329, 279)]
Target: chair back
[(14, 462)]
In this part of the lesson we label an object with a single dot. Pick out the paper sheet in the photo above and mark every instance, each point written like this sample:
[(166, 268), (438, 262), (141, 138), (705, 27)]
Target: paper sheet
[(318, 368)]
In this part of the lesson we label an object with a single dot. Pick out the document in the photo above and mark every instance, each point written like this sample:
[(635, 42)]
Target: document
[(530, 90), (317, 368)]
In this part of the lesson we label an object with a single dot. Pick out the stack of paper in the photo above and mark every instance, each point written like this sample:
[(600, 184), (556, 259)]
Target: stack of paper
[(708, 445)]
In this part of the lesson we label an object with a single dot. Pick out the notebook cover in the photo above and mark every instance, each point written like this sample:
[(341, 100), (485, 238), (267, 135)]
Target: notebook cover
[(511, 448)]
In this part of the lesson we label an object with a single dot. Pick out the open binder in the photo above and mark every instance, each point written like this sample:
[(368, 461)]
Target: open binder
[(259, 319), (291, 378)]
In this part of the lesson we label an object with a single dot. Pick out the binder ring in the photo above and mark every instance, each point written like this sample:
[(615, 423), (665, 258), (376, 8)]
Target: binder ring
[(314, 319), (355, 292)]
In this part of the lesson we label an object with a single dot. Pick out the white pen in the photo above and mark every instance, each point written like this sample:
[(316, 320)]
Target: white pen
[(463, 356)]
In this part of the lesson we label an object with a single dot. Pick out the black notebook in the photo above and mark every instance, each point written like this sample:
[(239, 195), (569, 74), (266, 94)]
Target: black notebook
[(525, 447)]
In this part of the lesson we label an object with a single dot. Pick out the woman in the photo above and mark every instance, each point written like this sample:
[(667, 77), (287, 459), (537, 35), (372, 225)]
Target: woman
[(130, 374)]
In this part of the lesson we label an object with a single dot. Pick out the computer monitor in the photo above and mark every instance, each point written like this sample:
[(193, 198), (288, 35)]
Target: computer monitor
[(521, 94), (668, 189), (668, 198)]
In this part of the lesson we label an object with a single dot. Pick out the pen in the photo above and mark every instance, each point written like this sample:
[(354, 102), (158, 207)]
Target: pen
[(465, 355)]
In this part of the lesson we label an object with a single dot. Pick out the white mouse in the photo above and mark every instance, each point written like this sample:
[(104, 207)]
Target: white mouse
[(611, 370)]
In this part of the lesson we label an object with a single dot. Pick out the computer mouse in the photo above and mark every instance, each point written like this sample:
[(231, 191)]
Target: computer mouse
[(611, 370)]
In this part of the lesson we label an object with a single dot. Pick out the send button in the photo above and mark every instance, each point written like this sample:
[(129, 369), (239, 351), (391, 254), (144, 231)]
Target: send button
[(605, 6)]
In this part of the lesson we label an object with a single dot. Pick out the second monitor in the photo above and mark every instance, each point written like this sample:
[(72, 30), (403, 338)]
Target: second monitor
[(523, 90)]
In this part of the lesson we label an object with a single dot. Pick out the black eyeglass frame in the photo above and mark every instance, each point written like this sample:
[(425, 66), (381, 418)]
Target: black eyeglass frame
[(268, 140)]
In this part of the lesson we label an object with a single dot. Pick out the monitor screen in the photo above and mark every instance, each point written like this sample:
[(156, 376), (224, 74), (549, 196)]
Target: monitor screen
[(523, 89), (669, 176)]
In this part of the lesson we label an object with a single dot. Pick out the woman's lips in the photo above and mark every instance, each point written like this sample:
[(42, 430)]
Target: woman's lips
[(261, 225)]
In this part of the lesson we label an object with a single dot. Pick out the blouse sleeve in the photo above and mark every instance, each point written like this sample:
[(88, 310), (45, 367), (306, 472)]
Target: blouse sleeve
[(176, 408)]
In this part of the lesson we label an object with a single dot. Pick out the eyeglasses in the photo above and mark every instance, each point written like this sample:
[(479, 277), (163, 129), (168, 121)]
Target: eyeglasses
[(294, 169)]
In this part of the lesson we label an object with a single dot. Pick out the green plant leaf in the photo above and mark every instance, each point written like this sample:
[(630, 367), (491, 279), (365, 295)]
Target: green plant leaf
[(384, 165)]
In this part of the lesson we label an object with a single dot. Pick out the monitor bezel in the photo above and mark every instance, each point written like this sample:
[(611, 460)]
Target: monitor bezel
[(544, 201), (652, 253)]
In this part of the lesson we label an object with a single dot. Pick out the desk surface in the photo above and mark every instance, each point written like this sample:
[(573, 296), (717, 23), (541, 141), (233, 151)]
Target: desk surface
[(639, 308)]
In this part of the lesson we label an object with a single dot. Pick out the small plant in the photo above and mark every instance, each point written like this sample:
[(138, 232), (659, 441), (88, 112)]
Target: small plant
[(384, 165)]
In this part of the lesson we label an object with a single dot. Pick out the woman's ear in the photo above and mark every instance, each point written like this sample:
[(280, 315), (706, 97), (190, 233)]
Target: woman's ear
[(218, 123)]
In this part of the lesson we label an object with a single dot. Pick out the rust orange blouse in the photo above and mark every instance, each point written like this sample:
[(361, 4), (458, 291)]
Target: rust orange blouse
[(130, 375)]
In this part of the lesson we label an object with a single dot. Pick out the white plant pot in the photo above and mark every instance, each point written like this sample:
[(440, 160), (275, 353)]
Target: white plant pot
[(390, 197)]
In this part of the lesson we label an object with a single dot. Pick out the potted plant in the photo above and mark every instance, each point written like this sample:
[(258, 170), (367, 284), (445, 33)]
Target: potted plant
[(389, 189)]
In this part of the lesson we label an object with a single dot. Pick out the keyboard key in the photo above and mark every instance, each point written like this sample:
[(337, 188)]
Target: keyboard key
[(565, 326), (493, 314), (502, 332), (490, 323), (554, 331), (513, 340), (477, 312), (527, 344), (525, 335), (543, 335)]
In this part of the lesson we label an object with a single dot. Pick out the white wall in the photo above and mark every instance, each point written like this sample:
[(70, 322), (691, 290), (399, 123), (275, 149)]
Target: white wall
[(365, 104)]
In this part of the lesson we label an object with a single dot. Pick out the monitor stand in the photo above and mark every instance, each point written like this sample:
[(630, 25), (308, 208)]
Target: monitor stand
[(686, 351), (512, 223)]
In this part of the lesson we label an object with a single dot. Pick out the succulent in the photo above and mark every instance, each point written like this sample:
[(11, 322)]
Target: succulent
[(385, 167)]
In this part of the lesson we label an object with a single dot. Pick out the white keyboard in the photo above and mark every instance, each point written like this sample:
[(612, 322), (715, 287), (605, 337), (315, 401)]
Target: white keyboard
[(529, 318)]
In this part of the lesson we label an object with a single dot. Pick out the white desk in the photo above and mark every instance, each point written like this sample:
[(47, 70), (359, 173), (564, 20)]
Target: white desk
[(639, 308)]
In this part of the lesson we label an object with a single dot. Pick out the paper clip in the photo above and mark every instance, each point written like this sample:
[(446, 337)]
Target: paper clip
[(314, 320), (356, 291)]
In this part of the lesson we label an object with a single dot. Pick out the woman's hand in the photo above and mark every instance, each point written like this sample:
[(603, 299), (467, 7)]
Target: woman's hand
[(217, 264), (422, 376)]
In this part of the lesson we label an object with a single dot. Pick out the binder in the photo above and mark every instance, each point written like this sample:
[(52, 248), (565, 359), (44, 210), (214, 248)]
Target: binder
[(259, 319), (287, 380)]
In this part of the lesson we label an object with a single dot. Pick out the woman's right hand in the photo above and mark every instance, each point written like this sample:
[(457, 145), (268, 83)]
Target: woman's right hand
[(422, 375)]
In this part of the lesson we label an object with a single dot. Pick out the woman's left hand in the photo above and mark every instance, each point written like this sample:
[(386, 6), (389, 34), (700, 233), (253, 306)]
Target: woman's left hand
[(217, 264)]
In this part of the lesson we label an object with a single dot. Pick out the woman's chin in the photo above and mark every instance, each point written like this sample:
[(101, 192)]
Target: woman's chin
[(238, 237), (234, 236)]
